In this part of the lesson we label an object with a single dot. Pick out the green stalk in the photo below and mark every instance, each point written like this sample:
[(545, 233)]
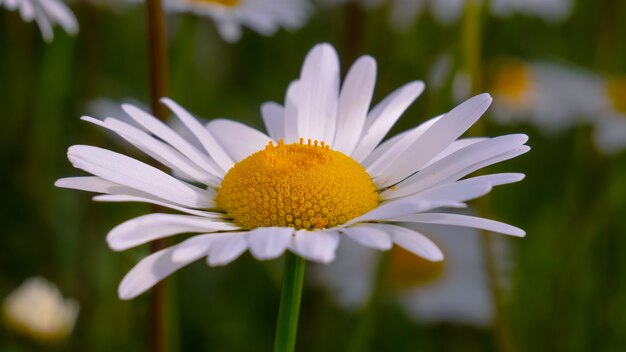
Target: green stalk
[(471, 49), (289, 310)]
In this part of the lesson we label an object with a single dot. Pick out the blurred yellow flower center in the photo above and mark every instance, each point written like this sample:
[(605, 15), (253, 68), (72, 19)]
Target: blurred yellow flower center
[(228, 3), (301, 185), (513, 83), (616, 90), (406, 270)]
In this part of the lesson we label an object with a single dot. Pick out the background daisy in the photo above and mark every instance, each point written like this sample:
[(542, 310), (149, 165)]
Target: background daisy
[(47, 14)]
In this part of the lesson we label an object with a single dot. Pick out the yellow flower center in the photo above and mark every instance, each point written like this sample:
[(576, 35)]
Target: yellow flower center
[(300, 185), (227, 3), (616, 90), (406, 270), (513, 83)]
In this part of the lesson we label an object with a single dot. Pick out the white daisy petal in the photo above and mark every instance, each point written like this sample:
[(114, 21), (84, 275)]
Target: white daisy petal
[(207, 140), (248, 139), (150, 200), (194, 247), (292, 129), (318, 91), (129, 172), (465, 221), (387, 152), (405, 206), (159, 151), (317, 246), (61, 14), (274, 119), (149, 271), (455, 146), (164, 132), (384, 115), (369, 236), (452, 164), (93, 184), (269, 242), (437, 138), (150, 227), (227, 248), (354, 101), (412, 241)]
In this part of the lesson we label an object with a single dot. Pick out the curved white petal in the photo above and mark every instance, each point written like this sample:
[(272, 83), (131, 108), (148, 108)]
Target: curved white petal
[(412, 241), (146, 228), (93, 184), (274, 118), (239, 140), (164, 132), (354, 101), (437, 138), (405, 206), (269, 242), (207, 140), (149, 271), (317, 246), (452, 164), (129, 172), (156, 201), (293, 129), (60, 13), (465, 221), (158, 150), (369, 236), (383, 116), (388, 151), (227, 248), (318, 92)]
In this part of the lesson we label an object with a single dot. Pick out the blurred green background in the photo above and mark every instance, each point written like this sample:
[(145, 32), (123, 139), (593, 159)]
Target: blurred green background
[(568, 278)]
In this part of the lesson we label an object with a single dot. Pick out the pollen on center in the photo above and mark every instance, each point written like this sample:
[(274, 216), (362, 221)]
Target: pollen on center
[(302, 185)]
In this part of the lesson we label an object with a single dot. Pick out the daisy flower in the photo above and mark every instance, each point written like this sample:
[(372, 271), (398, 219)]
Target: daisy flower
[(37, 309), (319, 176), (452, 291), (46, 13), (545, 94), (262, 16), (609, 120), (548, 10)]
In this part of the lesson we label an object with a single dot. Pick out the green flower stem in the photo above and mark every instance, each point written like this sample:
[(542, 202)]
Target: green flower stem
[(471, 49), (287, 325)]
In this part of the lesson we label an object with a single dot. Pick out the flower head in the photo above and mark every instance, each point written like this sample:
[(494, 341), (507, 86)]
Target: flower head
[(262, 16), (37, 309), (321, 175), (46, 13)]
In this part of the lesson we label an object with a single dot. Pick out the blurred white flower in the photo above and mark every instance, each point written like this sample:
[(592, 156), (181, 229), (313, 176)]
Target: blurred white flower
[(547, 95), (46, 13), (37, 309), (262, 16), (454, 291), (610, 119), (548, 10)]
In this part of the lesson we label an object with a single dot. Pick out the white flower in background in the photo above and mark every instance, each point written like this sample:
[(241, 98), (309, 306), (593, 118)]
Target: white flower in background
[(319, 176), (555, 98), (262, 16), (46, 13), (403, 13), (546, 95), (548, 10), (609, 120), (454, 291), (37, 309)]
